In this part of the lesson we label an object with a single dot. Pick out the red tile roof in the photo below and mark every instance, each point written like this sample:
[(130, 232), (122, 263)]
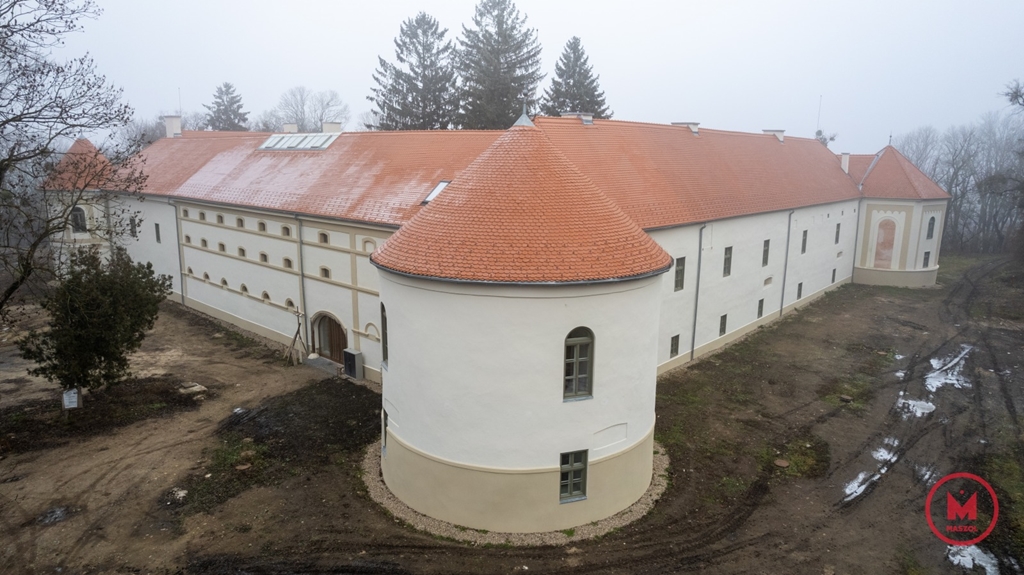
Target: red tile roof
[(665, 175), (376, 177), (522, 213), (893, 176), (83, 167)]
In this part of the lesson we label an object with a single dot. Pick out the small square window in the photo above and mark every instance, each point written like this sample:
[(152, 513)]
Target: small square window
[(324, 238), (572, 476), (673, 347), (202, 216), (184, 213), (760, 308), (722, 324), (287, 263), (325, 273), (188, 239)]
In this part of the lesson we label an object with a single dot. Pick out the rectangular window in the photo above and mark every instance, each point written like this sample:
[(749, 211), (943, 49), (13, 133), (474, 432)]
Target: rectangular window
[(833, 275), (573, 476), (722, 322), (764, 253), (803, 243), (927, 257), (579, 364), (680, 273), (384, 334), (837, 233), (241, 252), (222, 248), (673, 347), (133, 225), (263, 258), (727, 264), (239, 222), (760, 307), (799, 290), (157, 228)]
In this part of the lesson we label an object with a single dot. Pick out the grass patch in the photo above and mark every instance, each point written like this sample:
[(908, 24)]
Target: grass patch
[(1004, 471), (851, 392), (907, 564), (808, 456), (569, 532), (225, 481), (1002, 296)]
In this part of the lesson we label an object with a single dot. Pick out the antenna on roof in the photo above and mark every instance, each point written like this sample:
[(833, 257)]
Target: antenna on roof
[(818, 127), (890, 137)]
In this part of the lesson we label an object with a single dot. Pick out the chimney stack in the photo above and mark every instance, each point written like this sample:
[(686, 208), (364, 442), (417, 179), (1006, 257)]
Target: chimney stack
[(290, 128), (173, 126), (331, 127), (780, 134), (585, 117), (691, 125), (845, 162)]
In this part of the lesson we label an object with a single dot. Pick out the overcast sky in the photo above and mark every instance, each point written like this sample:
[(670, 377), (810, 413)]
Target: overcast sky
[(879, 67)]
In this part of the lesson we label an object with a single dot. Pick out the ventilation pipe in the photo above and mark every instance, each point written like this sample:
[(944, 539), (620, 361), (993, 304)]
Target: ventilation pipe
[(691, 125), (173, 126), (585, 117), (290, 128), (845, 162), (331, 127), (780, 134)]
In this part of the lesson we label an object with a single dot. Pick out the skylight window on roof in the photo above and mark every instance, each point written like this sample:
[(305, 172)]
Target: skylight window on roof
[(299, 141), (437, 190)]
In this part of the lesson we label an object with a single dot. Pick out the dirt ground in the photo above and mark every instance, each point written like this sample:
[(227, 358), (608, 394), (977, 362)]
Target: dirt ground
[(845, 391)]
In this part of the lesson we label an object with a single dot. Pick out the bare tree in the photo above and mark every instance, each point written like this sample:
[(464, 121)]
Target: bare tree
[(268, 121), (921, 147), (309, 109), (44, 106), (327, 106)]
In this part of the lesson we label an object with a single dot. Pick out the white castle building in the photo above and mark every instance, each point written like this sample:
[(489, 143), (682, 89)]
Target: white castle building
[(517, 293)]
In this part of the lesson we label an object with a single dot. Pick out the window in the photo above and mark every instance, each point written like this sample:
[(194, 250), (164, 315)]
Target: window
[(202, 216), (768, 281), (927, 257), (324, 238), (760, 307), (264, 258), (262, 226), (266, 297), (837, 233), (244, 289), (188, 239), (579, 363), (384, 433), (722, 323), (222, 248), (384, 334), (189, 271), (220, 219), (239, 223), (133, 227), (325, 273), (184, 213), (156, 227), (727, 264), (799, 290), (202, 242), (673, 346), (287, 263), (288, 303), (573, 476), (931, 229), (206, 277), (286, 231), (803, 243), (241, 252), (223, 283), (833, 275), (680, 273), (764, 252), (78, 225)]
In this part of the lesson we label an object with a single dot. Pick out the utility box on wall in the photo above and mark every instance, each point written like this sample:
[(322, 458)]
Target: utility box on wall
[(354, 363)]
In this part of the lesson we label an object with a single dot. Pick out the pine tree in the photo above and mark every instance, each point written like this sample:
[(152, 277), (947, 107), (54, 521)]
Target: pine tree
[(226, 111), (574, 87), (499, 60), (418, 93)]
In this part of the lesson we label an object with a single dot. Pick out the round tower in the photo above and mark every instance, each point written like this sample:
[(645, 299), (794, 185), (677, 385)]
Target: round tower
[(520, 312)]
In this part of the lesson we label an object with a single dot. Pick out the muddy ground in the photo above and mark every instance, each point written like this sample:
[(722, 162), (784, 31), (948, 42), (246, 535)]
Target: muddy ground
[(845, 392)]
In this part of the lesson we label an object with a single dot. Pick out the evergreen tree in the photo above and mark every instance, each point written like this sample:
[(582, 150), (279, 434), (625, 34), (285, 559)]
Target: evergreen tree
[(574, 87), (418, 93), (499, 60), (226, 111)]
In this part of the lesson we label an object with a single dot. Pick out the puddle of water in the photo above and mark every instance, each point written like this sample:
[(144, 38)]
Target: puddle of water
[(947, 371), (914, 407), (55, 515), (901, 375), (970, 556), (854, 488), (926, 473), (886, 457), (899, 357)]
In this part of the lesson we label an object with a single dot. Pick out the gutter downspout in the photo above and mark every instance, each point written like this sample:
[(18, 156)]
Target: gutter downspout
[(106, 217), (181, 253), (785, 266), (856, 239), (696, 295), (302, 286)]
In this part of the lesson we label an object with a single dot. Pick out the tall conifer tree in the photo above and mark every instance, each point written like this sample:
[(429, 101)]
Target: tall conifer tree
[(499, 62), (574, 87), (226, 111), (417, 93)]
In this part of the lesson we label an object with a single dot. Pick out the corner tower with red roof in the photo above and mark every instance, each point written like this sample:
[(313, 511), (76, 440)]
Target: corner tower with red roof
[(521, 312)]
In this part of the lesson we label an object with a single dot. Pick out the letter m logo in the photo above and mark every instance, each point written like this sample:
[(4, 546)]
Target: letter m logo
[(954, 510)]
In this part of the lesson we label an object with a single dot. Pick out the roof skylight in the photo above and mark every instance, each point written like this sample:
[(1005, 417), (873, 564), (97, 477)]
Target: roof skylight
[(299, 141), (437, 190)]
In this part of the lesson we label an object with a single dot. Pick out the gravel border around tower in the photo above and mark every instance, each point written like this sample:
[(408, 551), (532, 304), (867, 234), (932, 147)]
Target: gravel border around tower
[(380, 493)]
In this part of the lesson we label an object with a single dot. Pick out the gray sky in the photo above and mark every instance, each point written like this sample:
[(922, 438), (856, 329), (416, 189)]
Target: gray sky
[(879, 66)]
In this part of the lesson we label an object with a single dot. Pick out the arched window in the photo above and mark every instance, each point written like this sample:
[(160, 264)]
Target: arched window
[(286, 231), (184, 213), (931, 227), (220, 219), (369, 245), (189, 271), (324, 238), (579, 364), (188, 239), (262, 226), (325, 273), (239, 222), (287, 263), (206, 277), (266, 297), (384, 333), (288, 303), (264, 258), (222, 248), (241, 252), (223, 283), (202, 216), (78, 224), (244, 289)]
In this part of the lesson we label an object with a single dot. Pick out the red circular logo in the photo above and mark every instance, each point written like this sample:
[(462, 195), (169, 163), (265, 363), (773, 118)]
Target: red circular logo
[(962, 511)]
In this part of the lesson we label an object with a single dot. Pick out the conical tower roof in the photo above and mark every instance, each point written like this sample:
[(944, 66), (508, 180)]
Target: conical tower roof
[(522, 213)]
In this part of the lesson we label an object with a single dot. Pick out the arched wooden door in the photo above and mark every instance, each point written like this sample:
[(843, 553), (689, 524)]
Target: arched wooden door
[(331, 340)]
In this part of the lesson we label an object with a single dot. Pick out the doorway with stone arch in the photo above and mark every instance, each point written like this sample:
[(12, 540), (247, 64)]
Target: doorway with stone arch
[(329, 339)]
